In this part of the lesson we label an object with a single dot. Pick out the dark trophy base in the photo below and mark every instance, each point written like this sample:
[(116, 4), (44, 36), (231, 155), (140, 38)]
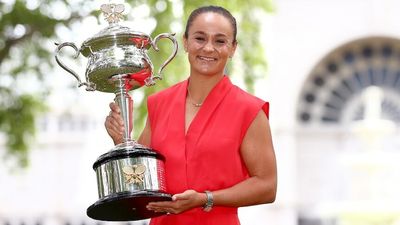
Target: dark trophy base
[(126, 206)]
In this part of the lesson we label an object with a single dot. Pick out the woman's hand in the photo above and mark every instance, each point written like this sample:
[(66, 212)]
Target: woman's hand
[(180, 202), (114, 124)]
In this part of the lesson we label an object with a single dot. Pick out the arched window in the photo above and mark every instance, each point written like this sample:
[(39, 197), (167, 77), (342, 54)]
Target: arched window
[(333, 92)]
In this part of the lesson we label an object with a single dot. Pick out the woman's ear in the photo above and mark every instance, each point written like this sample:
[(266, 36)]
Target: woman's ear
[(234, 45), (185, 43)]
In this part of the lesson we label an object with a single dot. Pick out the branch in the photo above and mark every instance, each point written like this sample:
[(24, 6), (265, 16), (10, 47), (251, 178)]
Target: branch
[(9, 43)]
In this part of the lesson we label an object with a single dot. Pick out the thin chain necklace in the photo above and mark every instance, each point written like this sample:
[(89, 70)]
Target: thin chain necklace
[(191, 100)]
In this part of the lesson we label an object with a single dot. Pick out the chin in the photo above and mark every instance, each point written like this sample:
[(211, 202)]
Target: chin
[(208, 72)]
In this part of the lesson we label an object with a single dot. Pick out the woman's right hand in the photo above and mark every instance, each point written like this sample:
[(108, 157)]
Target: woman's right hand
[(114, 124)]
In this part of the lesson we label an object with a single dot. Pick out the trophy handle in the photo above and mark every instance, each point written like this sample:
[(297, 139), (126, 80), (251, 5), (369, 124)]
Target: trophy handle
[(89, 86), (154, 44)]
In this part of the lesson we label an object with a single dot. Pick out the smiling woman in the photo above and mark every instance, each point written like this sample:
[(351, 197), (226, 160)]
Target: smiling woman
[(215, 137), (209, 44)]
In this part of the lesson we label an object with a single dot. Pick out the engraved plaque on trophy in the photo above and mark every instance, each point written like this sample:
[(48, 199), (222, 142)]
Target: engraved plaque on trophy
[(129, 175)]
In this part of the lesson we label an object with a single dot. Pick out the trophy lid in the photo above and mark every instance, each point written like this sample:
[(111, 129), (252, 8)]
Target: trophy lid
[(114, 34)]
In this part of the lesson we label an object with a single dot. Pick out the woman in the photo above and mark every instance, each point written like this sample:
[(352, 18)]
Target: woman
[(215, 137)]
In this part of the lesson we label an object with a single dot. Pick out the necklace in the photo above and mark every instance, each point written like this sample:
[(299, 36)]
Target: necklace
[(191, 100)]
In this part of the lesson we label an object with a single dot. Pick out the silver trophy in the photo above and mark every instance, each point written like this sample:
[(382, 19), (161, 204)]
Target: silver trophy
[(130, 175)]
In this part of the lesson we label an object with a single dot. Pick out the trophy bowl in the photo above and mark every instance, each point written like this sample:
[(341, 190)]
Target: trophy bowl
[(130, 175)]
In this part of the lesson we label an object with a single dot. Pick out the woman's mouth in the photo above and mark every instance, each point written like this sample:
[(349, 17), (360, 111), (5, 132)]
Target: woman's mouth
[(208, 59)]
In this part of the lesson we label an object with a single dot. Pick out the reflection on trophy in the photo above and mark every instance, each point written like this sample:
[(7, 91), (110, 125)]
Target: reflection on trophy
[(129, 175)]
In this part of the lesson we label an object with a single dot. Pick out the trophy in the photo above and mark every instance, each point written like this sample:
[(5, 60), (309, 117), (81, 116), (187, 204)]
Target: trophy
[(130, 175)]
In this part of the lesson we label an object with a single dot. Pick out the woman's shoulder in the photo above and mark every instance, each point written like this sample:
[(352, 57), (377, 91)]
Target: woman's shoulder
[(248, 101), (245, 97)]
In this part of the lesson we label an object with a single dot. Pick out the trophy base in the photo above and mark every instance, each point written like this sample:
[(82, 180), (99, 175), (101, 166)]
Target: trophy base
[(127, 206)]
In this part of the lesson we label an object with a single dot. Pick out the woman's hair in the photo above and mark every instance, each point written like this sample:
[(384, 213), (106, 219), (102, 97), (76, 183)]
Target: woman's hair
[(215, 9)]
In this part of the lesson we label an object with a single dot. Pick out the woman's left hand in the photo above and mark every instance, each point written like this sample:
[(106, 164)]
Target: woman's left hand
[(180, 202)]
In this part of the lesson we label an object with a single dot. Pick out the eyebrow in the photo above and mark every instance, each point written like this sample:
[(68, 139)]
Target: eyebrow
[(218, 34)]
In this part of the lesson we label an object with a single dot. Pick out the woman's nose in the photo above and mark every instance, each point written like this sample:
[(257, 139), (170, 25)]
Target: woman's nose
[(209, 46)]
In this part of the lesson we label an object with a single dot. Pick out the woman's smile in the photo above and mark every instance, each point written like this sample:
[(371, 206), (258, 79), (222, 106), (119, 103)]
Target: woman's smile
[(206, 58)]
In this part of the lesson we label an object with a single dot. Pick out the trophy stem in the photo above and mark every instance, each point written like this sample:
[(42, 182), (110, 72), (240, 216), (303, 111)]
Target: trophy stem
[(125, 103)]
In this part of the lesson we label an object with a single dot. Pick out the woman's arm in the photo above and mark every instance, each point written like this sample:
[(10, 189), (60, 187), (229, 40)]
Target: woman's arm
[(258, 155), (145, 136)]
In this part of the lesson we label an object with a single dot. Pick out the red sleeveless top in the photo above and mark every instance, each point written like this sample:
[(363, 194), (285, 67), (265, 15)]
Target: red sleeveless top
[(208, 156)]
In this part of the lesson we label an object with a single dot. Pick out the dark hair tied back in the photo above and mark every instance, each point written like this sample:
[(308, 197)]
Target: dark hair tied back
[(215, 9)]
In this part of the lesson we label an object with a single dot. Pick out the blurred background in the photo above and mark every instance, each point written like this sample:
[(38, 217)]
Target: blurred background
[(328, 68)]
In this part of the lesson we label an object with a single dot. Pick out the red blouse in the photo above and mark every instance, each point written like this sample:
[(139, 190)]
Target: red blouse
[(208, 156)]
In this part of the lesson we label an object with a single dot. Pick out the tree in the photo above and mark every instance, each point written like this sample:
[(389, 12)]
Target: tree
[(28, 29)]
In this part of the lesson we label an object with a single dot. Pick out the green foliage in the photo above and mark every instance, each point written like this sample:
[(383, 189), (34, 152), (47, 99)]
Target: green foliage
[(24, 33), (17, 119), (27, 31)]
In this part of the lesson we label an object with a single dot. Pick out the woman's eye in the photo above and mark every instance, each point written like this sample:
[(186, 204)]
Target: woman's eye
[(199, 38), (220, 42)]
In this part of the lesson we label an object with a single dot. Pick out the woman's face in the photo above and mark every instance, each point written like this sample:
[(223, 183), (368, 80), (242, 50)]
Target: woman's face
[(209, 44)]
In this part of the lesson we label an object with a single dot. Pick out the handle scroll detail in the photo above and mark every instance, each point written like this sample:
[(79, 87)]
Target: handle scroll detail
[(171, 37), (89, 85)]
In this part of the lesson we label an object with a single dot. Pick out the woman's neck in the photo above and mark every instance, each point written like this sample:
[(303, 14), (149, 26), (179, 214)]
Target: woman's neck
[(200, 86)]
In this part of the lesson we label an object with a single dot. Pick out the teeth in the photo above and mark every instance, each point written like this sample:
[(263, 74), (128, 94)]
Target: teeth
[(206, 58)]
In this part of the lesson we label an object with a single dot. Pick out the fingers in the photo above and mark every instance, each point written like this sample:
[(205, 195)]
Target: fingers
[(114, 117), (180, 203), (182, 196), (166, 210), (162, 207), (114, 123), (114, 107)]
